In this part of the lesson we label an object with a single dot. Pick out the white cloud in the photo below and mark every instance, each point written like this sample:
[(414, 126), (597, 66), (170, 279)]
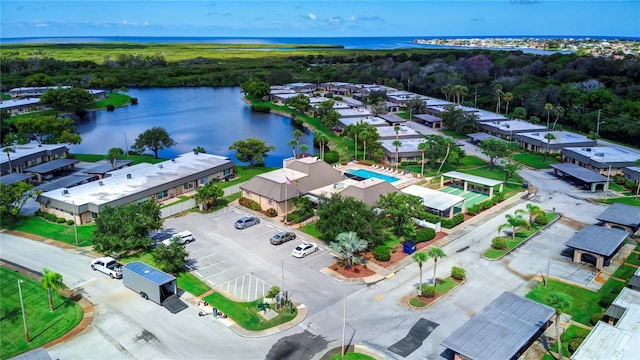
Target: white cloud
[(352, 18), (312, 16), (335, 20), (39, 25), (146, 23), (124, 22)]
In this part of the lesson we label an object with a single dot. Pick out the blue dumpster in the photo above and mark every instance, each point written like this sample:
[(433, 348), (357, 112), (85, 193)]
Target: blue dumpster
[(409, 247)]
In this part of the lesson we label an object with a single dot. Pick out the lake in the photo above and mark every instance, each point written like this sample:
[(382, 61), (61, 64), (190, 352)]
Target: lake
[(203, 116)]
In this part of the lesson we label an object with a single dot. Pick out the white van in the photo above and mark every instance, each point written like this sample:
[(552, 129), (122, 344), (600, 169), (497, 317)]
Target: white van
[(183, 237)]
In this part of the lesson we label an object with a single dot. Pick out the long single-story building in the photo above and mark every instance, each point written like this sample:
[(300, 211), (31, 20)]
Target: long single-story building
[(599, 242), (504, 329), (141, 182), (24, 156), (507, 129), (22, 106), (619, 338), (632, 173), (536, 141), (603, 159)]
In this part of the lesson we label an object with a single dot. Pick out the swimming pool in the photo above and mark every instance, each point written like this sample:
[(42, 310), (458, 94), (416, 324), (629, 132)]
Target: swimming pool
[(372, 174)]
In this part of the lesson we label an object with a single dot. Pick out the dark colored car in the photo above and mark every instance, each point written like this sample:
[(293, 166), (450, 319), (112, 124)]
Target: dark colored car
[(282, 237), (246, 221)]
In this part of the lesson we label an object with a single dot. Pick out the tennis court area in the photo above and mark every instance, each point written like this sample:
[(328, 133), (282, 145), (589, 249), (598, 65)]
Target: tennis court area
[(472, 197)]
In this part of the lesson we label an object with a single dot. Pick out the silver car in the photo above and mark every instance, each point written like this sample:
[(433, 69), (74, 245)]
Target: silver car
[(246, 221), (282, 237)]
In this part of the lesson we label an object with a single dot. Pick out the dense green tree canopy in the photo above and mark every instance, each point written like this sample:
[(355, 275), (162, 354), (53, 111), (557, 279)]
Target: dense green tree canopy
[(67, 98), (256, 88), (494, 148), (13, 197), (209, 195), (126, 227), (37, 80), (154, 139), (299, 102), (338, 215), (48, 129), (400, 208), (252, 151), (458, 120), (171, 259)]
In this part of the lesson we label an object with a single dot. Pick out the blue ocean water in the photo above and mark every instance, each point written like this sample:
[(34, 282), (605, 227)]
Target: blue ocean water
[(372, 43)]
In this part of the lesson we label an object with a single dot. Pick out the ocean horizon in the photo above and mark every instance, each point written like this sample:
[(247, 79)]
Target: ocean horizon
[(370, 43)]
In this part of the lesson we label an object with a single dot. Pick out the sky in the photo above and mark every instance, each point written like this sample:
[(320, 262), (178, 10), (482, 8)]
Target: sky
[(325, 18)]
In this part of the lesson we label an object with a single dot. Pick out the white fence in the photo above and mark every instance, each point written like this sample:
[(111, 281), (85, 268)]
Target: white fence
[(425, 224), (177, 208)]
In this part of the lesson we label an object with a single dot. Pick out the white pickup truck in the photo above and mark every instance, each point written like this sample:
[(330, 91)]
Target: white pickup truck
[(107, 265), (183, 237)]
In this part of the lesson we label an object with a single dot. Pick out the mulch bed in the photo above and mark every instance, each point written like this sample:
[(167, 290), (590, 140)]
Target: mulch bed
[(356, 271), (399, 254)]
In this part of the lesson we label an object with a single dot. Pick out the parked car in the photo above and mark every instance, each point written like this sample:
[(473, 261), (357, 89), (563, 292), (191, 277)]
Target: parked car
[(304, 249), (107, 265), (183, 237), (282, 237), (246, 221)]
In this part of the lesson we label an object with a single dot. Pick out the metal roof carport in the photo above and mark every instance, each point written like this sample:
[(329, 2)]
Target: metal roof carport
[(480, 137), (13, 178), (102, 169), (490, 183), (581, 174), (66, 182), (501, 330), (598, 241), (437, 201), (627, 216), (50, 167)]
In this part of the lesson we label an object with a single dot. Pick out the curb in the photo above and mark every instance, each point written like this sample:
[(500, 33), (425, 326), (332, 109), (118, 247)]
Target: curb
[(438, 298)]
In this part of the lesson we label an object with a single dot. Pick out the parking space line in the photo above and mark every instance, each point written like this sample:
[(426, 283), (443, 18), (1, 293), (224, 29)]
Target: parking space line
[(210, 265), (221, 272), (206, 256)]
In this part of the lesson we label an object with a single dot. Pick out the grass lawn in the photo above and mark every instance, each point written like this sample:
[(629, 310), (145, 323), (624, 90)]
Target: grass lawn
[(584, 302), (43, 325), (246, 314), (351, 356), (453, 134), (570, 333), (534, 160), (630, 200), (633, 258), (191, 284), (442, 287), (311, 230), (625, 271), (609, 285), (521, 236), (137, 159), (60, 232), (244, 173), (115, 99)]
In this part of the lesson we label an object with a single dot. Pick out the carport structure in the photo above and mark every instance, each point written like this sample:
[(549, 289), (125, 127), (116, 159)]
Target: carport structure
[(13, 178), (626, 217), (487, 185), (598, 241), (502, 330), (51, 167), (477, 138), (66, 182), (587, 177), (437, 202)]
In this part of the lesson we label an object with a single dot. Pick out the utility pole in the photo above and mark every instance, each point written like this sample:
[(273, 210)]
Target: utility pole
[(606, 188), (598, 126), (24, 318), (475, 99), (126, 145), (344, 321), (75, 221)]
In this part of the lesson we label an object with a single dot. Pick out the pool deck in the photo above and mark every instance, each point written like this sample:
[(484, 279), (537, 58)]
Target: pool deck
[(405, 178)]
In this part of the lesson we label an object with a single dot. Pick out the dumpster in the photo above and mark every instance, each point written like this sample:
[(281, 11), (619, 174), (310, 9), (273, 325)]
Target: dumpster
[(409, 247)]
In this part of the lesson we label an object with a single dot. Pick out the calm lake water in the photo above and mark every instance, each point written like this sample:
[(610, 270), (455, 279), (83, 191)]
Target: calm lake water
[(209, 117)]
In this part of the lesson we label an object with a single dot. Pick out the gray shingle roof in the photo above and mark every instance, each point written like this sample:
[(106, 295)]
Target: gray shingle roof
[(622, 214), (501, 329), (598, 240)]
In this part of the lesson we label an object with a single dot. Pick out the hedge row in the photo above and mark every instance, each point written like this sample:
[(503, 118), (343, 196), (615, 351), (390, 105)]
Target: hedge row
[(53, 218), (485, 205), (248, 203)]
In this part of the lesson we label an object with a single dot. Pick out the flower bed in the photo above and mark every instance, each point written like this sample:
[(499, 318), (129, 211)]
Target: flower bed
[(399, 254), (356, 271)]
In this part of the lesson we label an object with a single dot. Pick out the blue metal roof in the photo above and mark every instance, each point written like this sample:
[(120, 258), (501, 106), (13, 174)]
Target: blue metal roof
[(152, 274)]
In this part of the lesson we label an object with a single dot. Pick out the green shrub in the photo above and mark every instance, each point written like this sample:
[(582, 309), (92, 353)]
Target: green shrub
[(425, 234), (273, 291), (616, 289), (331, 157), (499, 243), (61, 220), (606, 300), (458, 273), (574, 343), (428, 290), (134, 101), (595, 318), (261, 108), (456, 220), (541, 220), (110, 107), (38, 213), (409, 231), (70, 222), (271, 212), (248, 203), (382, 253)]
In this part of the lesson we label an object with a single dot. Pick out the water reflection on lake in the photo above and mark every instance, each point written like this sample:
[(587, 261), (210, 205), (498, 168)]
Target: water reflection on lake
[(209, 117)]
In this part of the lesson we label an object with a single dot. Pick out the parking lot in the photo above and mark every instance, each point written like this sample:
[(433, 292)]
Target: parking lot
[(242, 263)]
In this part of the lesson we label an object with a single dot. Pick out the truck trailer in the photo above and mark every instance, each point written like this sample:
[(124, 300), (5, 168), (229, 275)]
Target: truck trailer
[(152, 284)]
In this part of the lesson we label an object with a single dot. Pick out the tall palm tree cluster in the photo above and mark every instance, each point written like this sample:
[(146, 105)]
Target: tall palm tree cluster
[(455, 93)]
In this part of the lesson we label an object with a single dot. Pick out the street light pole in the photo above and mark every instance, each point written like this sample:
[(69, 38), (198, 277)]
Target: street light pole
[(546, 281), (75, 222), (24, 318), (126, 145), (344, 321)]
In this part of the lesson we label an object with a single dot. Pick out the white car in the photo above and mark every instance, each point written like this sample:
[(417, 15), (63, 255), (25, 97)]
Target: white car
[(304, 249), (183, 237), (107, 265)]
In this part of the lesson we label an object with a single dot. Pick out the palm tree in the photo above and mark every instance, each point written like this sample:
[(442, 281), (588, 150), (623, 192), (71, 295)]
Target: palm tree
[(297, 134), (549, 136), (397, 144), (559, 301), (322, 140), (532, 210), (304, 148), (498, 90), (464, 91), (199, 150), (396, 128), (51, 281), (208, 194), (548, 107), (435, 253), (446, 90), (558, 112), (516, 222), (457, 91), (423, 146), (507, 97), (8, 150), (112, 155), (364, 134), (348, 245), (420, 258), (293, 143)]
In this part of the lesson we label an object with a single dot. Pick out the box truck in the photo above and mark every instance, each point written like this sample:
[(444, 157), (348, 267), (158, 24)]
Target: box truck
[(152, 284)]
